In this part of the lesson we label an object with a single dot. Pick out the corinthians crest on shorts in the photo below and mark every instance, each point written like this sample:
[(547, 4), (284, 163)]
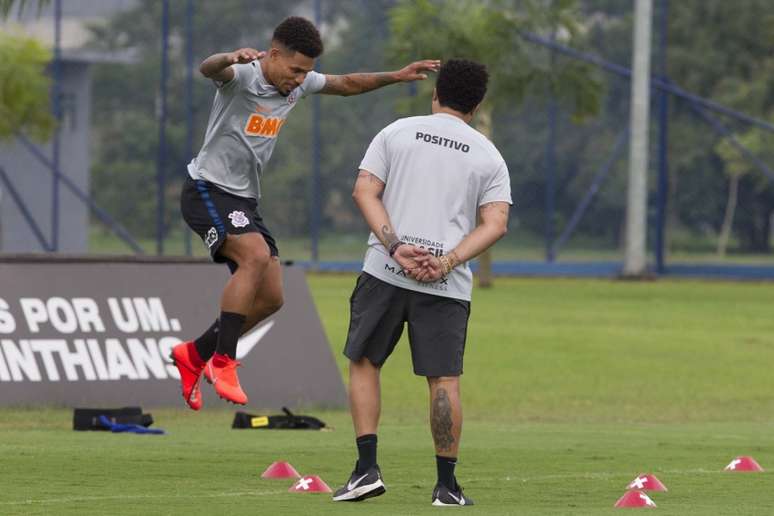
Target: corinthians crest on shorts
[(238, 219)]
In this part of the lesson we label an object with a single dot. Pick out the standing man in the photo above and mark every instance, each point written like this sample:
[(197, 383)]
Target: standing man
[(255, 93), (422, 183)]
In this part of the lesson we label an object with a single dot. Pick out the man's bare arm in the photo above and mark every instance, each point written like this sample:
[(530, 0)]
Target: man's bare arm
[(368, 198), (218, 66), (357, 83), (492, 227)]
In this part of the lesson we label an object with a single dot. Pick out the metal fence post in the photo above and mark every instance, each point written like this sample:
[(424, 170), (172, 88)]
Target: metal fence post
[(162, 149), (551, 168), (189, 104), (663, 141), (550, 181), (56, 143), (316, 157)]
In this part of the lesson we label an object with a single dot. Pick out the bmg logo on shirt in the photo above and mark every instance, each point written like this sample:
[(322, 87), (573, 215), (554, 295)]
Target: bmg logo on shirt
[(258, 125)]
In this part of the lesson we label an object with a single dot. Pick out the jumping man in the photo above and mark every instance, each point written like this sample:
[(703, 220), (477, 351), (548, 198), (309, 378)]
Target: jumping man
[(255, 93)]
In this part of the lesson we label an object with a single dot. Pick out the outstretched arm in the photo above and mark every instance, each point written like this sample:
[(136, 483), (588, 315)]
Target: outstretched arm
[(357, 83), (218, 66)]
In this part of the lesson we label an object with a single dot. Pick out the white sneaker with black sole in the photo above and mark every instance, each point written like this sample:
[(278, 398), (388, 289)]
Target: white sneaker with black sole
[(361, 486), (445, 497)]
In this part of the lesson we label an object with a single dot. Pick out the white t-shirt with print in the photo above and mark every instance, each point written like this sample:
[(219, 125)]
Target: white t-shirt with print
[(437, 171)]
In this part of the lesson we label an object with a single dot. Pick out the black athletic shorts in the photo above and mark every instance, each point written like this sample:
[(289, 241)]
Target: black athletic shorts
[(212, 213), (437, 326)]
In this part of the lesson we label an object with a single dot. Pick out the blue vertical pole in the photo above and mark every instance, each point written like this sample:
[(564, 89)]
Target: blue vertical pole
[(189, 105), (550, 199), (316, 157), (57, 106), (550, 180), (162, 149), (663, 140)]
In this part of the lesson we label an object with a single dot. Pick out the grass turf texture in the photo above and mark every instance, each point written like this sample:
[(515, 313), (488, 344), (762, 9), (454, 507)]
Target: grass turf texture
[(571, 389), (516, 246)]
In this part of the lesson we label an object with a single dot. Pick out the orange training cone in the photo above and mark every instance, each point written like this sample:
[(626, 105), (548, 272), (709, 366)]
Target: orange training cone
[(310, 484), (743, 464), (646, 482), (280, 469), (635, 499)]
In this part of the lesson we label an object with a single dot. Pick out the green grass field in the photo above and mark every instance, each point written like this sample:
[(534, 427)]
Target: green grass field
[(571, 389), (517, 246)]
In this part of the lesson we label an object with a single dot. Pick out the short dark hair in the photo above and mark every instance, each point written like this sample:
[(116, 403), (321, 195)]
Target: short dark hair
[(461, 84), (300, 35)]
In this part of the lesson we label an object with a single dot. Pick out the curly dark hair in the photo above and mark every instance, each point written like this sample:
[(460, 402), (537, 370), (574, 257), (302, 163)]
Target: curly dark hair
[(300, 35), (461, 84)]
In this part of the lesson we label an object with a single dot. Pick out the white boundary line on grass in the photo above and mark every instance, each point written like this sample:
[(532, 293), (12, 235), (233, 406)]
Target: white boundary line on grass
[(593, 475), (605, 475), (77, 499)]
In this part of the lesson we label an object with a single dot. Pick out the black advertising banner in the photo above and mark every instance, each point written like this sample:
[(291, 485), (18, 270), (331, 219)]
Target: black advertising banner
[(85, 332)]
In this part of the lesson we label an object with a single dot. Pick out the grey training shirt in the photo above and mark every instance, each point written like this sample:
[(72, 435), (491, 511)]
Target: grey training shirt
[(437, 171), (246, 117)]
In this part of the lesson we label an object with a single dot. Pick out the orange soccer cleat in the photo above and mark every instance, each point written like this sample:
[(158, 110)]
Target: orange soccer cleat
[(221, 373), (190, 365)]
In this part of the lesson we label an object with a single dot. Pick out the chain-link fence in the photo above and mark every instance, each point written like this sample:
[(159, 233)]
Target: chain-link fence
[(711, 195)]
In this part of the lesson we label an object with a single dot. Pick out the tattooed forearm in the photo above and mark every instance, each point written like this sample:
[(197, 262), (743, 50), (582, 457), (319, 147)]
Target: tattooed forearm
[(441, 421), (356, 83), (388, 237), (363, 82)]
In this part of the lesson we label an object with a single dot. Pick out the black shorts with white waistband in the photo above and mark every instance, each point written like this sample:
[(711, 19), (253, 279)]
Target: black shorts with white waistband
[(212, 213), (437, 326)]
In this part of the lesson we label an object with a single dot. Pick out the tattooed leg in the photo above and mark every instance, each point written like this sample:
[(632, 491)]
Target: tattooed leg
[(445, 414)]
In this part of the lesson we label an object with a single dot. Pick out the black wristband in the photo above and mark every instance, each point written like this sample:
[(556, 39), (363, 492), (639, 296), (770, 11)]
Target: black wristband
[(394, 247)]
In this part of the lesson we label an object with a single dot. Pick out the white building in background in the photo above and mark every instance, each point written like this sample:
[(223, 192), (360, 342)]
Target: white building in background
[(31, 179)]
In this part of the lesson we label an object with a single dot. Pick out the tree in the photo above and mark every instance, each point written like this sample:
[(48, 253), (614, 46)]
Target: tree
[(24, 88), (24, 85), (726, 57), (739, 166), (7, 5), (491, 32), (719, 52)]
